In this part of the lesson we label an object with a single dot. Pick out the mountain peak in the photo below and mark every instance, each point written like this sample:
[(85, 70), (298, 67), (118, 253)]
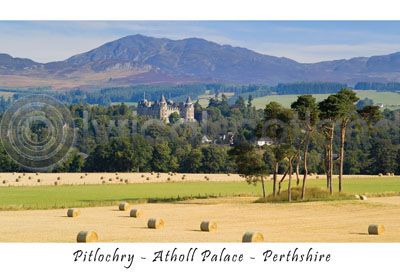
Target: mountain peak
[(142, 59)]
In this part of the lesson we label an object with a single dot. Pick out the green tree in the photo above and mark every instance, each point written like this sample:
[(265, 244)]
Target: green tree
[(329, 113), (161, 157), (142, 153), (347, 109), (174, 118), (307, 111), (249, 162)]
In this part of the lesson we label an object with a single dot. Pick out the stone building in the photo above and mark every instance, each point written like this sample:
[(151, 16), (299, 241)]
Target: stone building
[(163, 108)]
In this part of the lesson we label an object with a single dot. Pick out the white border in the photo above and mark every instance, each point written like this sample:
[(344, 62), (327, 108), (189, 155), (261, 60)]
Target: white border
[(199, 10)]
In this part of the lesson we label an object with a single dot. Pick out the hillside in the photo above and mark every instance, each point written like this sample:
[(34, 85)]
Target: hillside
[(139, 59)]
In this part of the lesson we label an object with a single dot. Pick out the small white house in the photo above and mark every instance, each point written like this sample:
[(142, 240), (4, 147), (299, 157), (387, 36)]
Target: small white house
[(264, 141), (205, 140)]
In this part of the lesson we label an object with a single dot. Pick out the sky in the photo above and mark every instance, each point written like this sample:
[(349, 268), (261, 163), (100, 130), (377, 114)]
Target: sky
[(303, 41)]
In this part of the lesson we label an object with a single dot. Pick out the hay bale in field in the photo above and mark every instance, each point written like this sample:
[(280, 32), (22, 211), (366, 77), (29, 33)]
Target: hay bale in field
[(58, 178), (168, 179), (103, 182), (142, 175), (73, 212), (317, 177), (152, 173), (29, 178), (126, 181), (357, 196), (387, 174), (23, 174), (147, 178), (155, 223), (38, 180), (136, 213), (37, 173), (392, 174), (208, 226), (82, 177), (252, 237), (380, 174), (117, 177), (87, 237), (101, 177), (86, 174), (124, 206), (110, 179), (363, 197), (56, 183), (17, 180), (376, 229), (4, 181)]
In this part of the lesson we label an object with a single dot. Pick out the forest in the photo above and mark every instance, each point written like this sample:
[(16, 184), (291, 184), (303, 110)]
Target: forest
[(114, 138)]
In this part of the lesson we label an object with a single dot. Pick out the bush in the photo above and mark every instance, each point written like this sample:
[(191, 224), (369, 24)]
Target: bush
[(312, 194)]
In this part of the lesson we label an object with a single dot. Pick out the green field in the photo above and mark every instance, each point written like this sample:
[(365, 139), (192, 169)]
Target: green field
[(46, 197), (390, 100)]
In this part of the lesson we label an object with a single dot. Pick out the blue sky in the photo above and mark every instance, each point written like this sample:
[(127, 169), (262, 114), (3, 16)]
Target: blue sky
[(303, 41)]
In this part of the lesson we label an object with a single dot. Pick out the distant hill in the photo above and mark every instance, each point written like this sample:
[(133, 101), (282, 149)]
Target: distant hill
[(139, 59)]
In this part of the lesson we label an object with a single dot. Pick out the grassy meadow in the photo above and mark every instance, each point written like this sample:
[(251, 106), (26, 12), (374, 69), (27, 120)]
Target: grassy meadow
[(48, 197), (391, 100)]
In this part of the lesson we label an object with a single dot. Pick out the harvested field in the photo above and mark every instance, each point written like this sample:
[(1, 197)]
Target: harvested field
[(344, 221)]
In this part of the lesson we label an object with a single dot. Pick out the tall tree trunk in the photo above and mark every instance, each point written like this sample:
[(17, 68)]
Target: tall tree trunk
[(305, 166), (280, 181), (327, 164), (290, 180), (263, 186), (275, 178), (331, 158), (342, 140), (298, 168)]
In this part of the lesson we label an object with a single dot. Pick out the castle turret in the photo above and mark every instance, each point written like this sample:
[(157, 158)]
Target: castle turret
[(163, 109), (188, 113)]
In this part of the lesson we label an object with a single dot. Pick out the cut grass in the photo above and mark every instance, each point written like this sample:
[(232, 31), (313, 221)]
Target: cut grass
[(50, 197)]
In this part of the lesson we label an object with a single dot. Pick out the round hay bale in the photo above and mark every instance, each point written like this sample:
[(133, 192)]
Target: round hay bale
[(86, 174), (19, 176), (208, 226), (136, 213), (388, 174), (169, 179), (376, 229), (37, 173), (87, 237), (123, 206), (103, 182), (126, 181), (58, 178), (147, 178), (38, 180), (101, 177), (117, 177), (82, 176), (155, 223), (252, 237), (317, 177), (110, 179), (17, 180), (116, 173), (357, 196), (23, 174), (29, 178), (73, 212), (363, 197), (4, 181), (380, 174), (56, 183), (142, 175)]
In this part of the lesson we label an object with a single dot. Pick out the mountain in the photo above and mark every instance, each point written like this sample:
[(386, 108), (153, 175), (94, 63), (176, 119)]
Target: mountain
[(139, 59)]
